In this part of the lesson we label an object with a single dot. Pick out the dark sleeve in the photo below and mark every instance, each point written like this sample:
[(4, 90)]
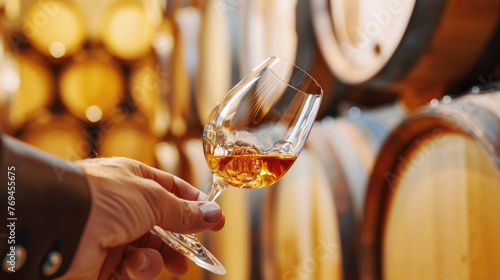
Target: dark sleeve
[(49, 202)]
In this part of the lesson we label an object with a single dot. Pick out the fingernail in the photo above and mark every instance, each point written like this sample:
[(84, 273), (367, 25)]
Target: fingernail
[(210, 212), (202, 197)]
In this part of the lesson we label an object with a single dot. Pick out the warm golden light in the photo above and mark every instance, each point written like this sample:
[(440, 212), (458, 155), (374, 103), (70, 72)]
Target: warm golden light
[(145, 89), (9, 77), (60, 135), (126, 31), (57, 49), (163, 42), (2, 47), (130, 138), (93, 113), (179, 84), (51, 24), (168, 157), (444, 213), (145, 86), (215, 63), (35, 89), (91, 81), (179, 127), (154, 9), (12, 8)]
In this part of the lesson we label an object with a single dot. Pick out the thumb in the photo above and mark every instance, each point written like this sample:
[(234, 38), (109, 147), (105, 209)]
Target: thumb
[(143, 263), (187, 216)]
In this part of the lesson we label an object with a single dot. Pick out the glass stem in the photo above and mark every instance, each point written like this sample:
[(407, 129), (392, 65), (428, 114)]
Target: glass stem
[(216, 189), (218, 186)]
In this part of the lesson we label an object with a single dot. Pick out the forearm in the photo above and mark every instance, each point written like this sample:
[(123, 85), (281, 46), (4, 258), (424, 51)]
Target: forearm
[(49, 210)]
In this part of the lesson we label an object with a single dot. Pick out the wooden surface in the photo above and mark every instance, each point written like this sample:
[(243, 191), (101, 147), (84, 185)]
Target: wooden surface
[(375, 43), (347, 147), (444, 217), (361, 36), (231, 245), (269, 31), (283, 28), (310, 218), (179, 98), (450, 53), (430, 210), (300, 236), (214, 71)]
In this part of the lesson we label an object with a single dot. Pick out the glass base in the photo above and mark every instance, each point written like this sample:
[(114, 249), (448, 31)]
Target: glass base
[(190, 247)]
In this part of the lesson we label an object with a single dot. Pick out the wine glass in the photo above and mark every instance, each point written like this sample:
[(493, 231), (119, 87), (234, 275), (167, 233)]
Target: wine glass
[(253, 137)]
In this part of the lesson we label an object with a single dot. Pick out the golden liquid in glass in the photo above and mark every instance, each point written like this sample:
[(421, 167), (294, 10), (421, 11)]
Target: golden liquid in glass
[(250, 170)]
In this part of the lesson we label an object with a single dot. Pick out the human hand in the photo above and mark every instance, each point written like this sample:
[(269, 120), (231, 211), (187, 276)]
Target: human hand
[(128, 199)]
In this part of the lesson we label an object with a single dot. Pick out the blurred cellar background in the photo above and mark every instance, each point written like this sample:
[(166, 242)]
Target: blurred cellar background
[(400, 177)]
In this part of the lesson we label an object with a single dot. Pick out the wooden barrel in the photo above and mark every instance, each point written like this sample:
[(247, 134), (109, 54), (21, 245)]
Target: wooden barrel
[(213, 47), (270, 31), (4, 69), (145, 91), (484, 72), (54, 28), (198, 50), (300, 236), (310, 220), (130, 137), (416, 48), (31, 79), (284, 28), (218, 42), (7, 68), (176, 158), (179, 79), (163, 46), (91, 86), (61, 135), (431, 208), (209, 47), (203, 61), (126, 31), (231, 245)]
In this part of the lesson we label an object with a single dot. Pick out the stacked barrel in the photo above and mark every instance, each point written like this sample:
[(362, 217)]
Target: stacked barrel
[(80, 90), (399, 178), (126, 78), (400, 190)]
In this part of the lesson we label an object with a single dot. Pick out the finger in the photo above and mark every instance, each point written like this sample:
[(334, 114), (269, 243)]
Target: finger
[(173, 261), (183, 185), (111, 268), (143, 263), (193, 217), (180, 215), (220, 224), (185, 190), (170, 182)]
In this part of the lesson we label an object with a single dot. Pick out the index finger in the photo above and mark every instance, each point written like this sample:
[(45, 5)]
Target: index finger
[(171, 183), (178, 187), (186, 191)]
